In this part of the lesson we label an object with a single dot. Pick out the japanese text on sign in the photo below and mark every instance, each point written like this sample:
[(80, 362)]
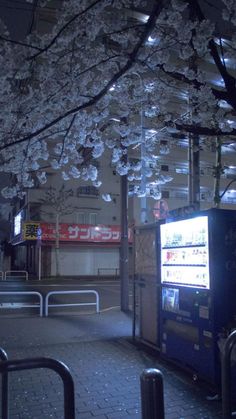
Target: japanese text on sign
[(74, 232), (30, 231)]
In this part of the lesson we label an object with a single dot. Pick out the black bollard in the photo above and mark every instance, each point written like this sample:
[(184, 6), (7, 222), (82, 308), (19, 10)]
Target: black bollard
[(5, 397), (152, 398), (226, 375)]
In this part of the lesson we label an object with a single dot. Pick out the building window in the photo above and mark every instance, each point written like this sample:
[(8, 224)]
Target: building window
[(165, 168), (81, 219), (93, 218), (165, 194), (87, 190)]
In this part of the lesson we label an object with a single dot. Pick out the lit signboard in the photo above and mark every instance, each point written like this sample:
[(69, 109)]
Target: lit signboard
[(185, 253), (17, 224)]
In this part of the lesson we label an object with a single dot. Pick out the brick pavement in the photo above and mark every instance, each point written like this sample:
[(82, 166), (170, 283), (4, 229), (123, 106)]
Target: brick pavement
[(105, 366)]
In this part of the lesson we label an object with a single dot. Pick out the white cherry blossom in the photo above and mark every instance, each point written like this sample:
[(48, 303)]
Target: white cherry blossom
[(99, 79)]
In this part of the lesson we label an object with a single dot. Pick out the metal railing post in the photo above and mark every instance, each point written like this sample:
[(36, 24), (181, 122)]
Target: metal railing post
[(71, 304), (19, 274), (152, 397), (226, 375), (27, 293), (59, 367), (5, 398)]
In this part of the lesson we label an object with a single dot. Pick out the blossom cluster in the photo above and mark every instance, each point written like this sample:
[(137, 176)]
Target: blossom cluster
[(105, 78)]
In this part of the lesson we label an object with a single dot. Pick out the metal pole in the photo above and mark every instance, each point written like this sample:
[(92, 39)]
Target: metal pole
[(40, 261), (152, 398), (226, 375), (124, 246), (143, 218), (190, 174), (134, 310), (134, 289), (5, 399), (218, 172), (143, 183), (194, 172)]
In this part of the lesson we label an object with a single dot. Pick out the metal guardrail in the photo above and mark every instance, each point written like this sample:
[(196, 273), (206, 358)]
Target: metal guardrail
[(49, 294), (4, 398), (114, 270), (226, 376), (152, 397), (16, 275), (33, 363), (22, 305)]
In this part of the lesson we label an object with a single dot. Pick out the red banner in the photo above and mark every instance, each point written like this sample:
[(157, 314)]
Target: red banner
[(82, 233)]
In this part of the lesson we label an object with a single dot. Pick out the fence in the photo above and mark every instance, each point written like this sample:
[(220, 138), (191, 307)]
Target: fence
[(1, 275), (13, 305), (16, 275), (114, 271), (49, 294)]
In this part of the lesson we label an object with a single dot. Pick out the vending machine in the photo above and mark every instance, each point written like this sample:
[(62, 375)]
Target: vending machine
[(198, 290)]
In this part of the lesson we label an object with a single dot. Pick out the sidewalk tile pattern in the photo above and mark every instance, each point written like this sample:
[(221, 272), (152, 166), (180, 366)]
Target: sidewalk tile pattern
[(106, 371)]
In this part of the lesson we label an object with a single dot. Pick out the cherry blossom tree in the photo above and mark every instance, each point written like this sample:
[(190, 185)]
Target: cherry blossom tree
[(106, 71)]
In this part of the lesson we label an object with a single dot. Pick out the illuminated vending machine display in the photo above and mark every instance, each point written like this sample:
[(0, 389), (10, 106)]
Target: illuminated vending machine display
[(197, 284), (185, 253)]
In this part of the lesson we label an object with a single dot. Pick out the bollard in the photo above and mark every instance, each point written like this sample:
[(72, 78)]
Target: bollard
[(226, 375), (152, 398), (5, 398), (33, 363)]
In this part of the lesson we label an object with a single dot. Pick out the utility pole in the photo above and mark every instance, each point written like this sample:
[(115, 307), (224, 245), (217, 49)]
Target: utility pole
[(217, 174), (194, 172), (193, 150), (143, 185), (124, 246), (143, 217)]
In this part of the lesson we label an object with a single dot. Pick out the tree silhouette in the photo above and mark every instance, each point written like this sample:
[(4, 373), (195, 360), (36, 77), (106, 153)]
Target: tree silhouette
[(58, 200)]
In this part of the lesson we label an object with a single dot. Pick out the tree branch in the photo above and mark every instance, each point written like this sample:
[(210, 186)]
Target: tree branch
[(210, 132), (23, 44), (229, 80), (64, 28), (65, 136), (148, 27), (219, 94)]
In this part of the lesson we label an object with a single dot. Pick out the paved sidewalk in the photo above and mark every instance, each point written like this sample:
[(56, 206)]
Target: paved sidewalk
[(105, 366)]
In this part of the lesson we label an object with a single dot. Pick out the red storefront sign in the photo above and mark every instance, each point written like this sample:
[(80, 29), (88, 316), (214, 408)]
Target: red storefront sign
[(82, 233)]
